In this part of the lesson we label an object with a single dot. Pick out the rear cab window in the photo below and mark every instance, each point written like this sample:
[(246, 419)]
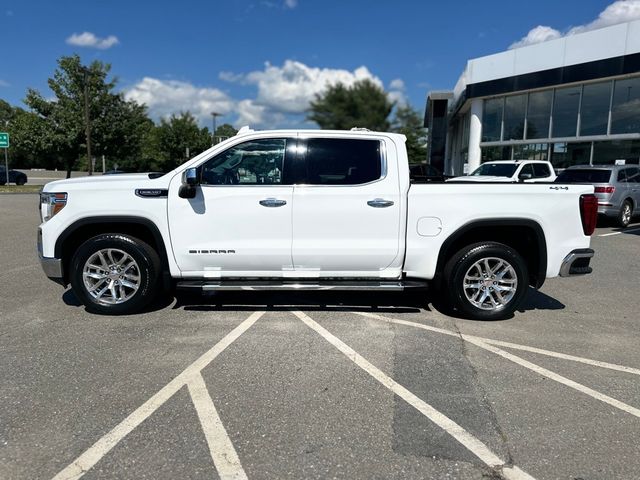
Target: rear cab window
[(584, 176), (342, 161)]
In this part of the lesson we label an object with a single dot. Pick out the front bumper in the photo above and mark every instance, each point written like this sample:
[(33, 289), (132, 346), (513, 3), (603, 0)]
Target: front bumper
[(52, 266), (577, 263)]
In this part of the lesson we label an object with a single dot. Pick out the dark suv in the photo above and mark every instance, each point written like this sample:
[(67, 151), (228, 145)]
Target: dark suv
[(616, 186), (15, 176)]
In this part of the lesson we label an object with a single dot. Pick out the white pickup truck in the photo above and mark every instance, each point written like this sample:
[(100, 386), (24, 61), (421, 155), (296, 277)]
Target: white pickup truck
[(527, 171), (276, 210)]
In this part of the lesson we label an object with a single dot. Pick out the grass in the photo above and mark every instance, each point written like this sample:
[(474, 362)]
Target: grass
[(20, 188)]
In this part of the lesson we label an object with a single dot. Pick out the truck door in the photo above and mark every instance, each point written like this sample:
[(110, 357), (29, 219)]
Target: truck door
[(239, 223), (347, 209)]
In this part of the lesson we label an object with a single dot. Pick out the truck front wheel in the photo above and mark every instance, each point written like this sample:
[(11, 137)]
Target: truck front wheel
[(486, 281), (115, 274)]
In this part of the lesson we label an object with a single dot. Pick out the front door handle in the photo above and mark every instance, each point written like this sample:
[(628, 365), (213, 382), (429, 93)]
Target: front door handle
[(379, 203), (272, 202)]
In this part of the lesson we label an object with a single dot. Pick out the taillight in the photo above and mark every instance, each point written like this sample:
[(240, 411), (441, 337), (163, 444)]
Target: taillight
[(608, 189), (589, 213)]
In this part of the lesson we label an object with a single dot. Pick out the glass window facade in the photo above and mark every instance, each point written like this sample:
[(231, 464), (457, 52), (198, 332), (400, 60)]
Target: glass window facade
[(539, 114), (531, 151), (565, 112), (594, 110), (574, 125), (625, 108), (489, 154), (606, 153), (564, 155), (515, 108), (492, 120)]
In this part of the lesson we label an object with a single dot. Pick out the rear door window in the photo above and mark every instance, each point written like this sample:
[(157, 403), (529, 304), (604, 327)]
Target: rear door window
[(633, 175), (540, 170), (622, 176), (339, 161)]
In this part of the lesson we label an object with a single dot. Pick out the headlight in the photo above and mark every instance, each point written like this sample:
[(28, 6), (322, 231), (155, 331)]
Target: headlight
[(50, 204)]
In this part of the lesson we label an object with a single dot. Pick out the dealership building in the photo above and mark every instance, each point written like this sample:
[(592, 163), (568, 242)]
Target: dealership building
[(574, 100)]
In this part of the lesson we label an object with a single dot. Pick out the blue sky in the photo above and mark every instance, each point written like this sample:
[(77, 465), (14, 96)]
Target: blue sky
[(261, 61)]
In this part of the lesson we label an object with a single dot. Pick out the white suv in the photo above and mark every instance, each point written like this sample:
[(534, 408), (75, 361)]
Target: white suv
[(528, 171)]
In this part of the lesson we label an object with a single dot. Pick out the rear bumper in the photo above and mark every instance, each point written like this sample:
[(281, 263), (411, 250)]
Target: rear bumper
[(608, 210), (577, 263)]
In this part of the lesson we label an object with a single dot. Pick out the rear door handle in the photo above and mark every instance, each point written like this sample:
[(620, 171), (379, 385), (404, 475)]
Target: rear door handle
[(379, 203), (272, 202)]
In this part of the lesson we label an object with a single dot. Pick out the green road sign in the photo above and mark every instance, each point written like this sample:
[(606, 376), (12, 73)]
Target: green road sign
[(4, 140)]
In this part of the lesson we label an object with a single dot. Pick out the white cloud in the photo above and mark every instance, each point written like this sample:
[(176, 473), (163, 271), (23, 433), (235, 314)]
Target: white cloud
[(166, 97), (619, 11), (88, 39), (397, 91), (282, 98), (4, 83), (291, 87), (290, 3), (537, 35)]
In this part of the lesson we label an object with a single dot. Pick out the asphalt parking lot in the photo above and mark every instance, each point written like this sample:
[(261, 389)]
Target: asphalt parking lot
[(319, 385)]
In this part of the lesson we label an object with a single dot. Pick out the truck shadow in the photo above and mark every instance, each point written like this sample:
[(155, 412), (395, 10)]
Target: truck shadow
[(380, 302), (376, 302)]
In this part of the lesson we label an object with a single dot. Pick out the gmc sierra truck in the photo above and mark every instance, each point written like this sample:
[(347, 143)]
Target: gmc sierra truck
[(326, 210)]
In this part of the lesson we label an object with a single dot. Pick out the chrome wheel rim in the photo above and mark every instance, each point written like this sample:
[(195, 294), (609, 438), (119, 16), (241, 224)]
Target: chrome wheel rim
[(111, 276), (490, 283), (626, 214)]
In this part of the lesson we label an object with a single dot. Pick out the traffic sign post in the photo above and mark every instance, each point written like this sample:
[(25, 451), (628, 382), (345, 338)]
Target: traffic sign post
[(4, 144)]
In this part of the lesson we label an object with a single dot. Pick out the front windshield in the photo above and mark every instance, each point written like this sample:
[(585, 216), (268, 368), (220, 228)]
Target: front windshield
[(495, 170)]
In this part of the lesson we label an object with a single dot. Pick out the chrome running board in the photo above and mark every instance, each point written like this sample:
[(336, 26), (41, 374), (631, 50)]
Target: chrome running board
[(300, 285)]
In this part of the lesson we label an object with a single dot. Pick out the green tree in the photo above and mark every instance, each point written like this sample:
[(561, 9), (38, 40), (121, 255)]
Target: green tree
[(363, 104), (166, 146), (408, 122), (117, 126), (31, 142), (225, 130)]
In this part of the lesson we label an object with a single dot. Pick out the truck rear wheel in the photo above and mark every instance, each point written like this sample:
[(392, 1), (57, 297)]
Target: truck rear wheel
[(486, 281), (115, 274)]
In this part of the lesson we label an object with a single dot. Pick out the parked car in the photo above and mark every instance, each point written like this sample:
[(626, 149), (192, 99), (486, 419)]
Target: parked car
[(527, 171), (310, 209), (19, 178), (616, 186)]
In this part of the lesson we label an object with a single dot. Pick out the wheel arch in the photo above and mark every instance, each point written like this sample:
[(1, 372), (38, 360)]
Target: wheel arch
[(81, 230), (523, 235)]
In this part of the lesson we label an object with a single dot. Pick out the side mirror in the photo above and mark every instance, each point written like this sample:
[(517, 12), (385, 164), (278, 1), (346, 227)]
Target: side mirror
[(189, 183), (525, 176)]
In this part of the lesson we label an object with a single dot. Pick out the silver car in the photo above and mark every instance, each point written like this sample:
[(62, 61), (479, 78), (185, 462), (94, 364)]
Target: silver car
[(616, 186)]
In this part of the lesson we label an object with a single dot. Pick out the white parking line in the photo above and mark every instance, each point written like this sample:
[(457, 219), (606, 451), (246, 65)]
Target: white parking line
[(629, 230), (98, 450), (470, 442), (222, 452), (515, 346), (483, 343)]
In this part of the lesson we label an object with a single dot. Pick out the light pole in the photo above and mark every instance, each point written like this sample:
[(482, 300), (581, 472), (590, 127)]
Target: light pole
[(214, 115), (87, 118)]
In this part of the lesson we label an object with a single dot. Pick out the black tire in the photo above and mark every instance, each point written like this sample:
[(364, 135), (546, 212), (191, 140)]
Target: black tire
[(462, 262), (147, 267), (21, 181), (624, 217)]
